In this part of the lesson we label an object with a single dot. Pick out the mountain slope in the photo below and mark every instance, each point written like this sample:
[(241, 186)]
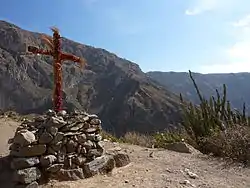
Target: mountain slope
[(114, 88), (237, 84)]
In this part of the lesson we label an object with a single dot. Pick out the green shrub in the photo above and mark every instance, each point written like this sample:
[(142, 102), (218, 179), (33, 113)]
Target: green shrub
[(216, 128)]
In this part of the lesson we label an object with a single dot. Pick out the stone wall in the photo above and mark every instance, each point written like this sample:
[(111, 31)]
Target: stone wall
[(60, 146)]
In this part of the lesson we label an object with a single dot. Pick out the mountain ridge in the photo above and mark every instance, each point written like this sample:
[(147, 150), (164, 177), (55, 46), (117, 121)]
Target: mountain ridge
[(124, 97), (180, 82)]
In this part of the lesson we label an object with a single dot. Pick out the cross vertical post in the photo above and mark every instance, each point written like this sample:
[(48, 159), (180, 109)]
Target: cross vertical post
[(54, 45)]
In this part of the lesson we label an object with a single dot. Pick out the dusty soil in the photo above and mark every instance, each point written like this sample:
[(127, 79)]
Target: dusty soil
[(164, 169)]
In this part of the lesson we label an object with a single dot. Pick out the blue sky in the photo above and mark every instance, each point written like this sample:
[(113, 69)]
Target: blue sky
[(166, 35)]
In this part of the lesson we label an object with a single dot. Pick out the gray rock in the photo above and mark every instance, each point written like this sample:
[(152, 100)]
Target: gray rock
[(79, 160), (103, 164), (95, 121), (72, 133), (40, 119), (50, 112), (54, 168), (52, 130), (45, 138), (58, 137), (24, 138), (34, 184), (181, 147), (94, 153), (86, 118), (70, 175), (91, 130), (47, 160), (121, 159), (28, 175), (56, 147), (30, 151), (190, 174), (61, 155), (14, 147), (83, 151), (81, 138), (62, 113), (94, 137), (68, 161), (51, 151), (76, 126), (98, 138), (21, 163), (92, 116), (71, 146), (79, 148), (91, 136), (56, 122), (88, 144)]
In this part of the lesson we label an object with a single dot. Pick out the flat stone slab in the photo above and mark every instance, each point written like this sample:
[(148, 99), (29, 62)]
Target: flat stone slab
[(103, 165), (21, 163)]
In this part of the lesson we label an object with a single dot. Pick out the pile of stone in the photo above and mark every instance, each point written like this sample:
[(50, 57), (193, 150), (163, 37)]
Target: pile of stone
[(60, 146)]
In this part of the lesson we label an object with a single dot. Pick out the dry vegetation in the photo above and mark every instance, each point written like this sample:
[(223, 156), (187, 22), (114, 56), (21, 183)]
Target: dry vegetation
[(211, 127)]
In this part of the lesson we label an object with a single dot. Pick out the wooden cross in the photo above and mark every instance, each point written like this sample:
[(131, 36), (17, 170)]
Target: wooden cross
[(54, 45)]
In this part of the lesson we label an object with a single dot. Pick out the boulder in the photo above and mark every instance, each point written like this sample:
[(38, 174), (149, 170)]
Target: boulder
[(121, 159), (181, 147), (103, 164)]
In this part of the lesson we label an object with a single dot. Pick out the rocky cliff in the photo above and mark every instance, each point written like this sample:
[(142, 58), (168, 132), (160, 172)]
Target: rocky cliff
[(116, 89)]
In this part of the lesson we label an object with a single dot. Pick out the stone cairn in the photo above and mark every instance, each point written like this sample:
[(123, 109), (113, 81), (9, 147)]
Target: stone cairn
[(60, 146)]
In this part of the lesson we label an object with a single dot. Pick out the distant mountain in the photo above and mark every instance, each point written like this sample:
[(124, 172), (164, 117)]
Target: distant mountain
[(124, 97), (238, 85)]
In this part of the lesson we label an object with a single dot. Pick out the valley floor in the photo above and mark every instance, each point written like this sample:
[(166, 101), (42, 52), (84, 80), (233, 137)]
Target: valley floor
[(162, 169)]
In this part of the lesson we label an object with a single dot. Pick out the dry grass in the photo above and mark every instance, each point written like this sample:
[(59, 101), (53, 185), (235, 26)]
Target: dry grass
[(138, 139), (233, 144)]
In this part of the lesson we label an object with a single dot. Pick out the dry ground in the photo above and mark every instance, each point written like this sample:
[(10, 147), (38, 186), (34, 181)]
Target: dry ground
[(165, 169)]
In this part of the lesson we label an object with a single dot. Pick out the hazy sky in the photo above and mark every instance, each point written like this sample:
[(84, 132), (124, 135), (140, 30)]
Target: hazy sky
[(166, 35)]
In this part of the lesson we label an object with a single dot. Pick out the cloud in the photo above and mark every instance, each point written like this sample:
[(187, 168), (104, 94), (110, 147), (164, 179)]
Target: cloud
[(200, 6), (236, 57), (243, 23)]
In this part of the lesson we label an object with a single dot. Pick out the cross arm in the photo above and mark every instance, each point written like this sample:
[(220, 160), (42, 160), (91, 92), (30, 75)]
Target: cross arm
[(71, 57), (36, 50)]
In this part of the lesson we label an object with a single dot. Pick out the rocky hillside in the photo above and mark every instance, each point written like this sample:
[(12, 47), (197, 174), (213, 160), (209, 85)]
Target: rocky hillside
[(114, 88), (179, 82)]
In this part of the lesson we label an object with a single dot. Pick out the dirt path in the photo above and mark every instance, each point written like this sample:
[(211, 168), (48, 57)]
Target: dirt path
[(166, 169)]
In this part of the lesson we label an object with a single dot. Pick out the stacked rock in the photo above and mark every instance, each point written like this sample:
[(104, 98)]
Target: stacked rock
[(61, 146)]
